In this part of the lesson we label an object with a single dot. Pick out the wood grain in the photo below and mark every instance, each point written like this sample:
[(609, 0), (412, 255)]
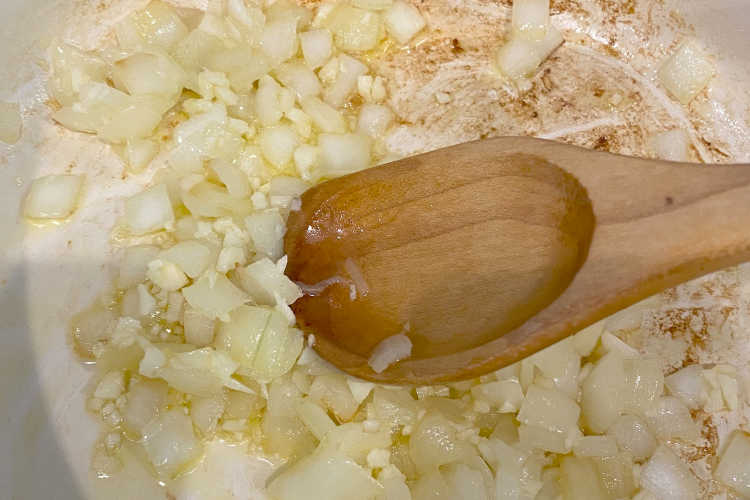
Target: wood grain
[(492, 250)]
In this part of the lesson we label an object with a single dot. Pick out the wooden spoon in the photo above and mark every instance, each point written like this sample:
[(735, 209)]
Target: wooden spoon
[(487, 252)]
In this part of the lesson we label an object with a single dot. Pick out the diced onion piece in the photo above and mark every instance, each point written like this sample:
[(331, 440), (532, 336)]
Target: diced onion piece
[(232, 177), (202, 372), (670, 418), (206, 412), (595, 446), (267, 101), (243, 65), (315, 418), (531, 437), (279, 40), (348, 71), (317, 46), (530, 19), (434, 443), (111, 385), (561, 364), (279, 348), (215, 296), (249, 20), (359, 389), (734, 467), (325, 117), (53, 196), (170, 443), (278, 144), (465, 483), (431, 485), (644, 383), (354, 29), (397, 408), (332, 392), (389, 351), (300, 78), (10, 122), (579, 478), (157, 25), (549, 409), (139, 153), (191, 256), (144, 73), (633, 436), (242, 334), (342, 154), (284, 185), (199, 329), (166, 275), (672, 145), (687, 384), (206, 199), (71, 69), (344, 480), (403, 21), (504, 395), (602, 397), (267, 231), (145, 400), (520, 58), (115, 116), (149, 210), (686, 72), (374, 119), (668, 477)]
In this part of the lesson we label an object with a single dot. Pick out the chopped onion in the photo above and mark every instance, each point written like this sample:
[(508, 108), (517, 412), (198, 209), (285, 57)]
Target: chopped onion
[(191, 256), (209, 200), (549, 409), (111, 385), (53, 196), (10, 122), (166, 275), (505, 395), (734, 468), (199, 329), (158, 25), (532, 437), (344, 480), (72, 69), (171, 444), (139, 153), (144, 73), (372, 4), (214, 295), (243, 65), (317, 47), (434, 443), (644, 383), (342, 154), (149, 211), (633, 436), (232, 177), (315, 418), (354, 29), (389, 351), (561, 364), (202, 372), (332, 392), (585, 341), (325, 117), (241, 335), (530, 19), (595, 446), (686, 72), (374, 119), (278, 144), (580, 479), (403, 21), (687, 384), (347, 70), (602, 396), (145, 400), (671, 145), (520, 58), (670, 418), (297, 76), (668, 477), (266, 231), (279, 40), (206, 412), (279, 348)]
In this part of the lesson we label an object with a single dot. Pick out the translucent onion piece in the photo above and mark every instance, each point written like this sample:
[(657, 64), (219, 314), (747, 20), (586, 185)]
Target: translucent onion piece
[(403, 21), (734, 467), (149, 211), (530, 18), (171, 444), (144, 73), (342, 154), (686, 72), (215, 296), (297, 76), (53, 197), (389, 351), (267, 230), (317, 47), (191, 256), (668, 477), (520, 58), (355, 29), (672, 145)]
